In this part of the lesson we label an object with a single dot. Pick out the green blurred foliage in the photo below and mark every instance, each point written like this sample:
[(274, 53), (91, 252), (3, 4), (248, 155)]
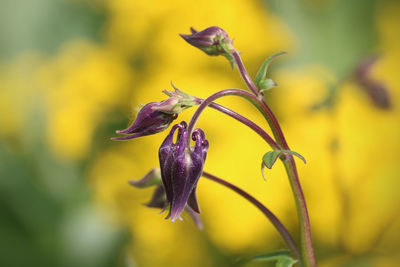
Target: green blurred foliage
[(335, 34), (45, 25)]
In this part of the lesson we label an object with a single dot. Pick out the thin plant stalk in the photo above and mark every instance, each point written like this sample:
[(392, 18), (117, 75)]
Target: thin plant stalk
[(306, 241), (307, 250), (271, 217), (269, 115), (243, 120), (208, 101)]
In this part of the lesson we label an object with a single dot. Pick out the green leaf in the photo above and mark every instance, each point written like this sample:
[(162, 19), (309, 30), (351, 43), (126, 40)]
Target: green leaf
[(273, 256), (262, 72), (283, 258), (266, 84), (262, 170), (286, 262), (270, 158)]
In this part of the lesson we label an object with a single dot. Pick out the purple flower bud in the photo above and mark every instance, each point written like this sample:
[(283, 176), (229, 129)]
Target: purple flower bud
[(213, 41), (151, 119), (181, 168)]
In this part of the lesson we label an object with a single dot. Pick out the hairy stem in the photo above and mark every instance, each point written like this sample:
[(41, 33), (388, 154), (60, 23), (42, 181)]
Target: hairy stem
[(307, 249), (271, 217)]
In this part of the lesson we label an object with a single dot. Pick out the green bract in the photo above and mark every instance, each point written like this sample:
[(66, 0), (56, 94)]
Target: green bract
[(262, 82), (270, 158)]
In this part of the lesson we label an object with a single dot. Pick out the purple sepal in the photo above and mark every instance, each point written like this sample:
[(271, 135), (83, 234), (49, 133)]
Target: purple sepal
[(153, 177), (195, 217), (158, 199)]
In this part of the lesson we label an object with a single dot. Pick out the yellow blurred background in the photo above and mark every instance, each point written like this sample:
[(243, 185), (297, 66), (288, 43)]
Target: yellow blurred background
[(74, 71)]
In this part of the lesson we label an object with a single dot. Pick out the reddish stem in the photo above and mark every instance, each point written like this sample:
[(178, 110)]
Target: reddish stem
[(271, 217)]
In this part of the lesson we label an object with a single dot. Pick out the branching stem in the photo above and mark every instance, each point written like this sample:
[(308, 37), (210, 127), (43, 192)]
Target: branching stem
[(307, 249), (238, 92)]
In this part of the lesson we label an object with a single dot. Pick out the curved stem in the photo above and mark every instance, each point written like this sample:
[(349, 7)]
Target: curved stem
[(208, 101), (245, 121), (273, 122), (271, 217), (244, 73), (307, 249), (259, 98)]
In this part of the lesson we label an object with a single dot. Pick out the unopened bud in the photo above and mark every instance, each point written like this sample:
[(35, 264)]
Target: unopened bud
[(214, 41), (150, 120)]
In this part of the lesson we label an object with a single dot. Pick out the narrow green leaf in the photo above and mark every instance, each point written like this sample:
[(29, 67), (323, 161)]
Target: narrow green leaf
[(295, 154), (270, 158), (262, 72), (262, 170)]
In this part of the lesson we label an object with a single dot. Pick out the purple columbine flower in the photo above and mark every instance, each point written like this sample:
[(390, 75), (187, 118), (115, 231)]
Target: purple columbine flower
[(152, 118), (213, 41), (181, 168)]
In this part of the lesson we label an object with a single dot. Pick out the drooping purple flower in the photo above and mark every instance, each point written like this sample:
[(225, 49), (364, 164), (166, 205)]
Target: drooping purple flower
[(151, 119), (181, 168), (213, 40)]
